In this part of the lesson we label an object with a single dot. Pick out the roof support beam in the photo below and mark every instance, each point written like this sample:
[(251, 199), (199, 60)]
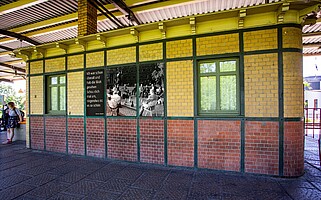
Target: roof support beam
[(314, 45), (6, 48), (314, 34), (3, 71), (99, 6), (122, 7), (5, 80), (18, 36), (13, 67)]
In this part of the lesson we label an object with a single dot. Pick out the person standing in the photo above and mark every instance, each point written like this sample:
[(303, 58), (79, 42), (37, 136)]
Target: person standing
[(5, 117), (14, 119)]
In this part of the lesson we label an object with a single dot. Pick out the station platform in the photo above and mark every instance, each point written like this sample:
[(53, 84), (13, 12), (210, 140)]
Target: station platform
[(30, 174)]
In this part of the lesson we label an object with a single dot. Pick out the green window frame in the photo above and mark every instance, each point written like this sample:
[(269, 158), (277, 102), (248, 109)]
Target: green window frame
[(56, 94), (218, 87)]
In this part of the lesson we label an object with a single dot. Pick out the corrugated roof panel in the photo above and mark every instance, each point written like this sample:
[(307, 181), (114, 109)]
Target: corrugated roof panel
[(15, 44), (51, 8), (310, 29), (57, 35), (194, 8), (38, 12), (311, 50), (311, 40)]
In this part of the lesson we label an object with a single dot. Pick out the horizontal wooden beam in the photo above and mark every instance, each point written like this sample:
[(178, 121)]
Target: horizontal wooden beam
[(314, 34), (13, 67)]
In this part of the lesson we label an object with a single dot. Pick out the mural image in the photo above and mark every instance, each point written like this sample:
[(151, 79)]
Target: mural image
[(121, 91), (151, 89)]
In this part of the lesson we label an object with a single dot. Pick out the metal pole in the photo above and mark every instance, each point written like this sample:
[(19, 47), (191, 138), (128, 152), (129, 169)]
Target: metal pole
[(306, 122), (313, 122)]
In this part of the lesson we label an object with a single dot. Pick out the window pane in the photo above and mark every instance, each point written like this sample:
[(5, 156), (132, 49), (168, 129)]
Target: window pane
[(62, 98), (207, 67), (228, 92), (54, 98), (62, 79), (208, 93), (54, 80), (228, 66)]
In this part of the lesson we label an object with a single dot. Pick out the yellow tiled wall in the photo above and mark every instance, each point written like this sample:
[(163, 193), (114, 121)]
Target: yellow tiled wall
[(261, 85), (260, 40), (219, 44), (292, 37), (151, 52), (76, 93), (55, 64), (293, 84), (95, 59), (36, 67), (179, 48), (180, 88), (36, 95), (75, 62), (121, 56)]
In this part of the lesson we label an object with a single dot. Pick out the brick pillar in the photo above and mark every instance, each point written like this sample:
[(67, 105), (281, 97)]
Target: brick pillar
[(87, 18), (293, 103)]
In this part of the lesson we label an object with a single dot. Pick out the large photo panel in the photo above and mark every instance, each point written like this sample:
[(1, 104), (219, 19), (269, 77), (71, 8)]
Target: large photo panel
[(121, 91), (151, 89)]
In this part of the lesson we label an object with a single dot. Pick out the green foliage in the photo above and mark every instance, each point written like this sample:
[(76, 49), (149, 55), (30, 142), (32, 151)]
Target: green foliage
[(307, 85), (11, 95)]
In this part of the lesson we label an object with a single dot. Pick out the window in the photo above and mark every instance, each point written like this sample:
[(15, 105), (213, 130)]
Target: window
[(218, 87), (56, 94)]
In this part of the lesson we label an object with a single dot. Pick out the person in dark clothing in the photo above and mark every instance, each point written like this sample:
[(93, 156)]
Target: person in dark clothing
[(14, 119), (4, 117)]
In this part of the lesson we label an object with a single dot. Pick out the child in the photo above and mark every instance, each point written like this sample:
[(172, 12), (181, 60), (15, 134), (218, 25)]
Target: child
[(14, 119)]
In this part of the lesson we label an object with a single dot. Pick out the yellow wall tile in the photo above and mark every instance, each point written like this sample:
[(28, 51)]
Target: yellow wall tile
[(219, 44), (260, 40), (180, 88), (293, 84), (180, 48), (55, 64), (151, 52), (36, 67), (292, 37), (261, 85), (95, 59), (75, 62), (36, 95), (75, 93), (121, 56)]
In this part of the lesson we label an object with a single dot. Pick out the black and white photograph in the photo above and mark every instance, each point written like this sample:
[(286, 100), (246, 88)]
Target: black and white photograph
[(151, 89), (121, 91)]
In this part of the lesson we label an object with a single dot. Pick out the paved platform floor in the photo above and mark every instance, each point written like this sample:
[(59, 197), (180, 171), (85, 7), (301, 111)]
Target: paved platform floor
[(29, 174)]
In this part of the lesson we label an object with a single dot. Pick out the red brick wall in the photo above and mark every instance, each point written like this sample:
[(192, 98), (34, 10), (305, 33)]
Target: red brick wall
[(56, 134), (76, 136), (262, 147), (293, 148), (37, 132), (122, 142), (180, 142), (219, 144), (95, 132), (152, 141)]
